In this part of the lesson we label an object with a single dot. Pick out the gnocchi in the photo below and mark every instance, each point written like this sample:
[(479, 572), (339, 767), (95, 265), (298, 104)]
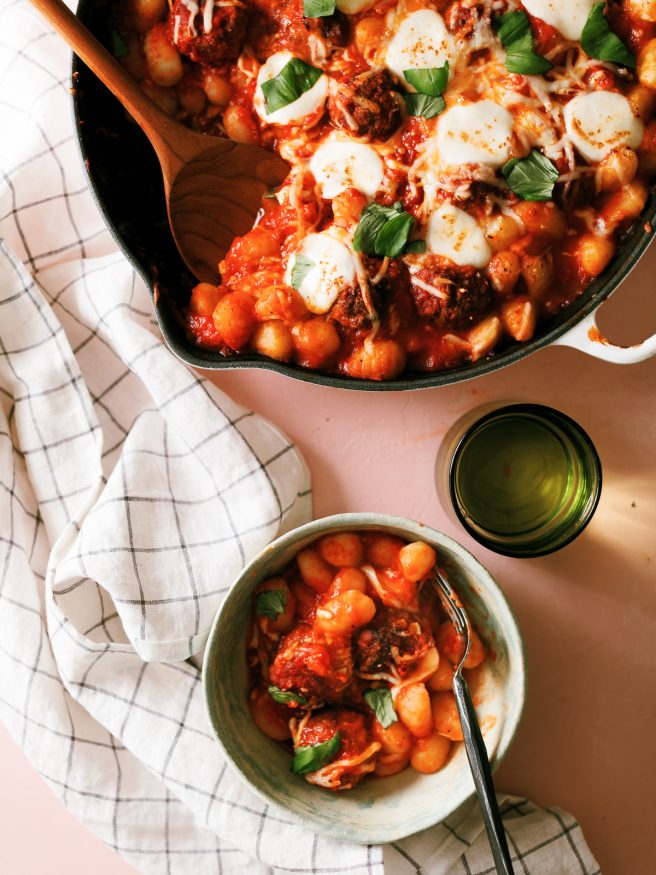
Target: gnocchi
[(336, 665), (402, 240)]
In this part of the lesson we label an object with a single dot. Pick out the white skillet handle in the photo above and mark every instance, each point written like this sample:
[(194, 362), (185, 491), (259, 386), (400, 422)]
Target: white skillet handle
[(586, 337)]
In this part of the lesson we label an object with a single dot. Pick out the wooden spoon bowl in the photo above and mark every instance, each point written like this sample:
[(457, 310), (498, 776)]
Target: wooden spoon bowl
[(213, 186), (215, 195)]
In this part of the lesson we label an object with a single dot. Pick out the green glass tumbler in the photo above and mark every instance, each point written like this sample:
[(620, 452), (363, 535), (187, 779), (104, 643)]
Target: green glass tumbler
[(523, 479)]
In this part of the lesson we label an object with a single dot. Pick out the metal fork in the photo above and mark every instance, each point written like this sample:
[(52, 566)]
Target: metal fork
[(474, 744)]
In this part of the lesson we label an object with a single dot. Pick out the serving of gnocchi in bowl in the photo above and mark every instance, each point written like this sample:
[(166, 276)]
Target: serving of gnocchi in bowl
[(328, 671)]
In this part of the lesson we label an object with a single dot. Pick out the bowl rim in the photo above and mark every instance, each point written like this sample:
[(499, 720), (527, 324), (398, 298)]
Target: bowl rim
[(339, 522)]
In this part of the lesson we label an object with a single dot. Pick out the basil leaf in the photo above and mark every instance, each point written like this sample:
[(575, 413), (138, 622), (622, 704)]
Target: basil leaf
[(314, 756), (272, 193), (429, 80), (531, 178), (285, 697), (394, 234), (119, 46), (423, 105), (416, 246), (302, 266), (295, 78), (381, 703), (598, 40), (517, 37), (271, 603), (508, 166), (529, 64), (383, 231), (318, 8), (372, 221), (513, 28)]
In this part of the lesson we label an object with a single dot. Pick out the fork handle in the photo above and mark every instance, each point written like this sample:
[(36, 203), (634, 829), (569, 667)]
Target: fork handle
[(482, 774)]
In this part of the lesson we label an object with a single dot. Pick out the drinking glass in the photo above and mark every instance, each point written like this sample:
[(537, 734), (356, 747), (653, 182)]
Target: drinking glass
[(523, 479)]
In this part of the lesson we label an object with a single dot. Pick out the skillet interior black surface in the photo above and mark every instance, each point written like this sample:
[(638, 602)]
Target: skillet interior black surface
[(126, 180)]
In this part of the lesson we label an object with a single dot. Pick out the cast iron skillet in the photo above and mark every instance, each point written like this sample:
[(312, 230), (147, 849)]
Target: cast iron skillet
[(126, 181)]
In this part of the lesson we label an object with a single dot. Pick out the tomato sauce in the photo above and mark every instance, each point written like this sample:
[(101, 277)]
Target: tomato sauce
[(414, 309), (344, 646)]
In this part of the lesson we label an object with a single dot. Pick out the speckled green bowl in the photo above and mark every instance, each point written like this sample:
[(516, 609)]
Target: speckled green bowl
[(383, 809)]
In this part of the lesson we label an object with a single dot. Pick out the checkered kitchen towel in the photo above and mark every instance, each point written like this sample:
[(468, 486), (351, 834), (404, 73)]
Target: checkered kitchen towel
[(131, 492)]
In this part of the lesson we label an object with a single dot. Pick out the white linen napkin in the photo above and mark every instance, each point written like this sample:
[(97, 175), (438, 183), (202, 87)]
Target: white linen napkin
[(132, 493)]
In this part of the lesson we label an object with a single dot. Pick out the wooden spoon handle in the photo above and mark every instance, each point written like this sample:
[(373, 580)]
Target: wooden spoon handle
[(148, 116)]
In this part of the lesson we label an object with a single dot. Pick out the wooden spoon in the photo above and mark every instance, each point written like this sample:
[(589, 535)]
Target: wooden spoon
[(213, 186)]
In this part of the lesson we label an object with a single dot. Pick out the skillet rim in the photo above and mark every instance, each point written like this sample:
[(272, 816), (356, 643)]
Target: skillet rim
[(629, 253)]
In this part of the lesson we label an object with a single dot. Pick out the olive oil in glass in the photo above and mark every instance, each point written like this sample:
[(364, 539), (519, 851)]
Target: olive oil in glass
[(523, 479)]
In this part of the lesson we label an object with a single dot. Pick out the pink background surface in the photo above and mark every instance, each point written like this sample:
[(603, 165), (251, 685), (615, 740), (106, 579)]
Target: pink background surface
[(588, 613)]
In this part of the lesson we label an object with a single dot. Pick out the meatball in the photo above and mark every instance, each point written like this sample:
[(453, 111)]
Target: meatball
[(465, 293), (393, 638), (274, 26), (366, 105), (308, 664), (392, 296), (334, 28), (221, 42), (461, 19), (356, 741), (350, 309), (353, 727)]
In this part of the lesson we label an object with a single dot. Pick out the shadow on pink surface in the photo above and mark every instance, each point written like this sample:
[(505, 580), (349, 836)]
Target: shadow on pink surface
[(587, 613)]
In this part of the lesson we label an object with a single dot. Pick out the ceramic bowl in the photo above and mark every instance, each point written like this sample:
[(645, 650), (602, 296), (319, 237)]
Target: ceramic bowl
[(381, 809)]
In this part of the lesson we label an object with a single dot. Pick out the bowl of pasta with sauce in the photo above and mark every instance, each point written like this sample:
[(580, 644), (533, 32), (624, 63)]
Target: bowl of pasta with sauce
[(328, 671), (468, 181)]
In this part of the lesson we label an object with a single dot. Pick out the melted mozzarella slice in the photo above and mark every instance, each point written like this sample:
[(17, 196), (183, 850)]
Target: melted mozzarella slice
[(340, 163), (421, 40), (455, 234), (600, 121), (333, 271), (567, 16), (298, 109), (475, 133)]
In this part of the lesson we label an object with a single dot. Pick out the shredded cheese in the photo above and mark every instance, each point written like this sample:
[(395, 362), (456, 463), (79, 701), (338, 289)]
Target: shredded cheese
[(192, 6), (334, 775), (437, 293), (498, 116)]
